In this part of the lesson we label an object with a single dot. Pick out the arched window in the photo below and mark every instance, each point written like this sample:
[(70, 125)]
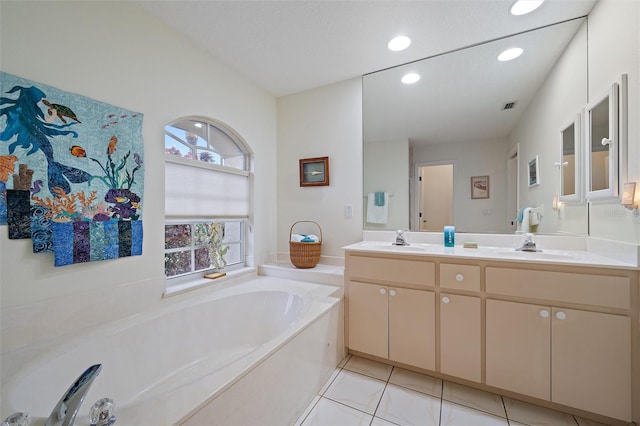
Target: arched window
[(207, 166)]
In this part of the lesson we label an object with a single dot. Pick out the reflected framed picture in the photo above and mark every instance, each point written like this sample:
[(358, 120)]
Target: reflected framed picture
[(314, 171), (479, 187), (534, 171)]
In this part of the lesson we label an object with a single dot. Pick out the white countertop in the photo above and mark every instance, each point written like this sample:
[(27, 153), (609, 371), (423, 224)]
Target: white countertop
[(509, 254)]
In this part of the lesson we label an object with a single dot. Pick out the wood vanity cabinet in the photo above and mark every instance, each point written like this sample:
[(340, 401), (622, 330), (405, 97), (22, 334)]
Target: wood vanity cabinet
[(518, 347), (460, 336), (392, 322), (556, 333), (576, 357), (460, 322)]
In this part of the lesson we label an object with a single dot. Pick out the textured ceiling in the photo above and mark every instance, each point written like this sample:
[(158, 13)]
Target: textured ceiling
[(290, 46)]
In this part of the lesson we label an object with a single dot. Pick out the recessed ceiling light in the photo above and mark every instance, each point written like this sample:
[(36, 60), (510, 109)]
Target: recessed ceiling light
[(410, 78), (510, 54), (399, 43), (522, 7)]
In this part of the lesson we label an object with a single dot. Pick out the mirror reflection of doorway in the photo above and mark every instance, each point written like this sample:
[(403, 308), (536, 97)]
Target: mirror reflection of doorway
[(435, 189), (512, 189)]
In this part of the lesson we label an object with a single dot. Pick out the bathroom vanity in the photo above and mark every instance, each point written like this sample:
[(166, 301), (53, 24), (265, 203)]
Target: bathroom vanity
[(556, 329)]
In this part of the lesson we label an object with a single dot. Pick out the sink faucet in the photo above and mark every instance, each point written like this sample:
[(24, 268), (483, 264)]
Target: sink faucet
[(528, 244), (400, 238), (66, 409)]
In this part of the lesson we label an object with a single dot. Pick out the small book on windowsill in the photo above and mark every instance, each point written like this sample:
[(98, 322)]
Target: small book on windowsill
[(215, 275)]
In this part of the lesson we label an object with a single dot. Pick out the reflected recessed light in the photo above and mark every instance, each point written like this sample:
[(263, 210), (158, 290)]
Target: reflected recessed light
[(522, 7), (510, 54), (399, 43), (198, 125), (410, 78)]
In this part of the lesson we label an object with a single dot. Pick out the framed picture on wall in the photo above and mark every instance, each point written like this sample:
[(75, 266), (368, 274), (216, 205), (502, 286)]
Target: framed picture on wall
[(534, 172), (314, 171), (479, 187)]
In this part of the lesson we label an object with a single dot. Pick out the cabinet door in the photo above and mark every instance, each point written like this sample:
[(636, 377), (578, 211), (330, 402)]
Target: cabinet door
[(518, 353), (412, 327), (368, 319), (460, 337), (591, 359)]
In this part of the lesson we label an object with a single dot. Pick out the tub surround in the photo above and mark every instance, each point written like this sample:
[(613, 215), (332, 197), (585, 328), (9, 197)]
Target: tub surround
[(558, 328)]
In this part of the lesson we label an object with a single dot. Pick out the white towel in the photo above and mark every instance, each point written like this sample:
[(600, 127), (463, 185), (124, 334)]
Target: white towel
[(535, 218), (298, 238), (377, 214)]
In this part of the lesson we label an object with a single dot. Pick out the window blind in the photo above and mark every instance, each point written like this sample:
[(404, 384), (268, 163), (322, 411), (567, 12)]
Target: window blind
[(195, 191)]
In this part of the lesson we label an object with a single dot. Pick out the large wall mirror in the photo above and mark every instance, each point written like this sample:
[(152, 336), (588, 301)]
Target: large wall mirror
[(570, 164), (486, 118)]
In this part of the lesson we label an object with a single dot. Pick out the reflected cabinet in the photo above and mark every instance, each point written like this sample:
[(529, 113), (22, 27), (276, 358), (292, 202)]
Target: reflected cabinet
[(593, 148)]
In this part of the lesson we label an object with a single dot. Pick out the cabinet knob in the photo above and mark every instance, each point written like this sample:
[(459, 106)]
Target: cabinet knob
[(459, 277), (392, 292), (544, 313), (561, 315), (383, 291), (445, 299)]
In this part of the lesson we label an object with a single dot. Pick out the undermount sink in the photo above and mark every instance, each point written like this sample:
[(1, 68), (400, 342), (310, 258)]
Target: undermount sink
[(536, 255), (392, 247)]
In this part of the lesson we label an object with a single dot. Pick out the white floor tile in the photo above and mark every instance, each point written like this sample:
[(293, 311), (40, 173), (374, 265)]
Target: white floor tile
[(329, 381), (307, 410), (473, 398), (377, 421), (459, 415), (408, 407), (587, 422), (369, 368), (344, 361), (354, 394), (534, 415), (356, 391), (416, 381), (331, 413)]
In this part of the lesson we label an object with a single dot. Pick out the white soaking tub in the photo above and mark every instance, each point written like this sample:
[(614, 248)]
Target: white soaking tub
[(252, 353)]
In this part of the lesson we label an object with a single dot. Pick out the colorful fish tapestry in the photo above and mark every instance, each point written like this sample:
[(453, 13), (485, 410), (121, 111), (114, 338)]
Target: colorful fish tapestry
[(71, 172)]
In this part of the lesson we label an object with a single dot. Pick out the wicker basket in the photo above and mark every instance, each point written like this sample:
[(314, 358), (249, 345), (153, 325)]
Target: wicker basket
[(304, 255)]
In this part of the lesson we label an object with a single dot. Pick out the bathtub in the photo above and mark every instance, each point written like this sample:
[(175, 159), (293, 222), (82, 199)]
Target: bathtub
[(255, 352)]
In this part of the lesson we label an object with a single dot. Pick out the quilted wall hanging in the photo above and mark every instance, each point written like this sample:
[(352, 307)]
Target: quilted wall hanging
[(71, 173)]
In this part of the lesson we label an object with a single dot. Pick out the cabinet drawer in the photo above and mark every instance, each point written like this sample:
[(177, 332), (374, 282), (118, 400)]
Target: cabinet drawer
[(460, 277), (597, 290), (397, 271)]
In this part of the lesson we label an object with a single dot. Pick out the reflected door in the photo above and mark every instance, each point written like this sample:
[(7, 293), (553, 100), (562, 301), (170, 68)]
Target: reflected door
[(436, 197)]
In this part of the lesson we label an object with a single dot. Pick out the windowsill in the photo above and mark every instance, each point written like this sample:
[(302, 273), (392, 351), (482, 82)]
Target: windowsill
[(201, 282)]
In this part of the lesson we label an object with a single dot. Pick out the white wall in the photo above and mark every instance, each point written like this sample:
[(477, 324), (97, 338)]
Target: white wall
[(115, 53), (482, 158), (614, 49), (317, 123), (560, 98), (387, 169)]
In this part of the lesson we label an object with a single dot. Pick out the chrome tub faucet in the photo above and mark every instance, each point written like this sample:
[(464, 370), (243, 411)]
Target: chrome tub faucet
[(65, 411)]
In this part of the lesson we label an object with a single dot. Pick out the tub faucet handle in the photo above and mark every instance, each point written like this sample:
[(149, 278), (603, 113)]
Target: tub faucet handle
[(101, 413), (17, 419)]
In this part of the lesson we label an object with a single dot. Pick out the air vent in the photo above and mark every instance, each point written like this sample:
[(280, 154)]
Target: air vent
[(509, 105)]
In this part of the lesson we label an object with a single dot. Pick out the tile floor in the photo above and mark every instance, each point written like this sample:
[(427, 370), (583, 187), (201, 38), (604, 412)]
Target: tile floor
[(364, 392)]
